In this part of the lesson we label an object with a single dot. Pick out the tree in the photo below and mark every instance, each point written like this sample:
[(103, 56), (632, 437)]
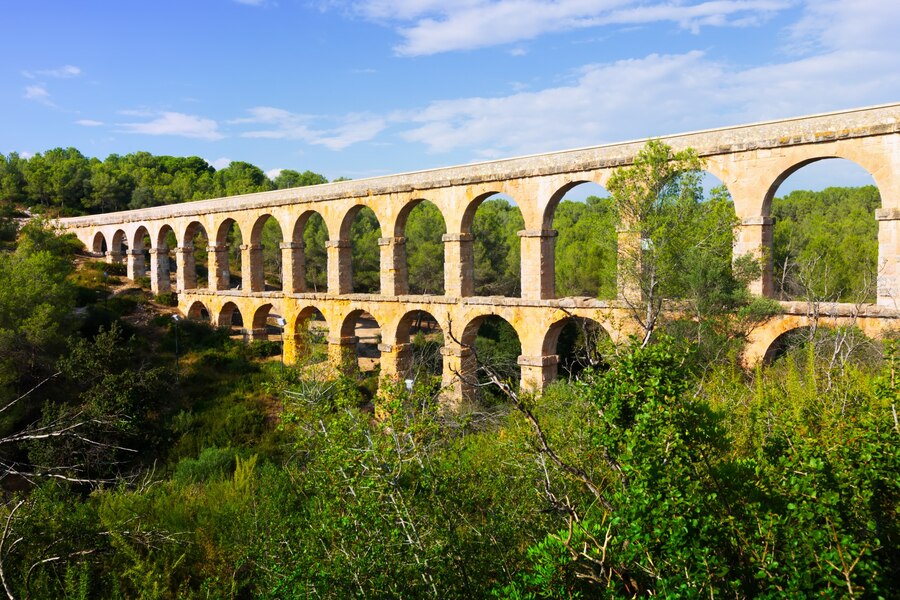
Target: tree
[(677, 245), (288, 178)]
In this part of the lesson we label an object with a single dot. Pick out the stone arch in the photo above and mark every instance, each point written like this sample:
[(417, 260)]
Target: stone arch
[(198, 312), (98, 244), (226, 316), (844, 261), (266, 259), (796, 165), (422, 278), (305, 268), (119, 242), (348, 271), (506, 282), (162, 236), (507, 367), (137, 239), (188, 255), (575, 252), (599, 178), (259, 323), (226, 257)]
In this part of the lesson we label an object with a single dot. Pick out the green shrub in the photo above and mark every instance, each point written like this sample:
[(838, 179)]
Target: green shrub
[(167, 299), (212, 464), (263, 348)]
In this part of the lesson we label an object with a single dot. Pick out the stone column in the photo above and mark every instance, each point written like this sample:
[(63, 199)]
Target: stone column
[(395, 361), (186, 273), (219, 273), (459, 265), (340, 266), (538, 274), (291, 347), (137, 266), (459, 370), (888, 257), (252, 275), (293, 267), (113, 257), (754, 237), (159, 271), (628, 266), (394, 278), (537, 372), (342, 354)]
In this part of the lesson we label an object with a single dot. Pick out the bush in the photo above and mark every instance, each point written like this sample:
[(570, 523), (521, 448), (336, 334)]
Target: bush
[(263, 348), (212, 464), (167, 299)]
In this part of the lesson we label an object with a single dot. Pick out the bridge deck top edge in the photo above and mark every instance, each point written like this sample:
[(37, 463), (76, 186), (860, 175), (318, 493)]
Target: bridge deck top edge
[(872, 121)]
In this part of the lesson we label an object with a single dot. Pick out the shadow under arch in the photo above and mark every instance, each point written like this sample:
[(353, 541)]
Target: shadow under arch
[(260, 327), (228, 239), (196, 258)]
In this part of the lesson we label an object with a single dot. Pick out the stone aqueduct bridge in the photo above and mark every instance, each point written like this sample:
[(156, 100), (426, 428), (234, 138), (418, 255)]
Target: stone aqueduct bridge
[(751, 161)]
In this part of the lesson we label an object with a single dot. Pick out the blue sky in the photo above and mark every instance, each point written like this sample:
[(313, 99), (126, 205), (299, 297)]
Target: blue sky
[(371, 87)]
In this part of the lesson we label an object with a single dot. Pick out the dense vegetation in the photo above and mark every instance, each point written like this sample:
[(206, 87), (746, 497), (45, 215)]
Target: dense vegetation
[(143, 457)]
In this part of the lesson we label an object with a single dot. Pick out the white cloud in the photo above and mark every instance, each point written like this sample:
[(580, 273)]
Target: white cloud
[(660, 94), (432, 26), (220, 163), (88, 123), (282, 124), (38, 93), (64, 72), (180, 124), (273, 173)]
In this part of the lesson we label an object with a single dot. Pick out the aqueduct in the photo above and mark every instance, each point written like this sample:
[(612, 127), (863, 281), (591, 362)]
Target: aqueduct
[(751, 160)]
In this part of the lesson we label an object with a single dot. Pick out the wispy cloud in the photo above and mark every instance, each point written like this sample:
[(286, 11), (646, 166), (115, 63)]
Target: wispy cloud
[(177, 124), (38, 93), (64, 72), (432, 26), (282, 124), (220, 163), (88, 123)]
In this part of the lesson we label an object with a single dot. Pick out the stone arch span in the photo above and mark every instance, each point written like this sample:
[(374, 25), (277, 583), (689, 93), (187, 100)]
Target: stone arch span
[(199, 312), (225, 318), (98, 243), (409, 361)]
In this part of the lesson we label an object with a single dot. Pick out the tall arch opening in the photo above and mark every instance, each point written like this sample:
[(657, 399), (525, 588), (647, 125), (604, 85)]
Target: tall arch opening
[(267, 233), (229, 240), (310, 337), (311, 235), (196, 242), (362, 230), (118, 247), (584, 218), (494, 221), (163, 265), (825, 236), (497, 346), (421, 226), (425, 338), (140, 244)]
